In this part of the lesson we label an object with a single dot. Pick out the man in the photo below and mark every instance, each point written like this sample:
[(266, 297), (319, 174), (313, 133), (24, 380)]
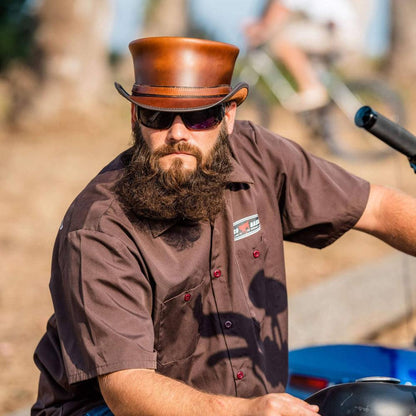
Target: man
[(168, 275)]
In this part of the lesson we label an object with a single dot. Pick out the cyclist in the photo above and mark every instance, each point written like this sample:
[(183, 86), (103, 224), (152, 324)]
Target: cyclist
[(295, 28)]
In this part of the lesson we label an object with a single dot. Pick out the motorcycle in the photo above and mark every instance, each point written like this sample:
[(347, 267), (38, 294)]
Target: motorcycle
[(358, 380)]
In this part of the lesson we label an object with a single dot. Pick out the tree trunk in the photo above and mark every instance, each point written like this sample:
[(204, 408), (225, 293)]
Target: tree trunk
[(72, 43)]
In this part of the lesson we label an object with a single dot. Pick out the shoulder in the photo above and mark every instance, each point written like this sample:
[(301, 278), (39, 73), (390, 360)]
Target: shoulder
[(97, 201), (267, 155), (250, 142)]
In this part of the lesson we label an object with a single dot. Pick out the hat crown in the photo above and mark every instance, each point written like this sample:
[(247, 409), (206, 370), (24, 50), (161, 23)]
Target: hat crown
[(182, 62), (183, 74)]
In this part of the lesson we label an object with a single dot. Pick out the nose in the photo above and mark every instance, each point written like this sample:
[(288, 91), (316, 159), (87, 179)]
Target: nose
[(178, 131)]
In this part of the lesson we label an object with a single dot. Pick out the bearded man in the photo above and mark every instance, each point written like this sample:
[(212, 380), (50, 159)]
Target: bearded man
[(168, 278)]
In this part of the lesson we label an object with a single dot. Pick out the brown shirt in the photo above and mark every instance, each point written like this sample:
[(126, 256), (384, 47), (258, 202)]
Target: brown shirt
[(205, 304)]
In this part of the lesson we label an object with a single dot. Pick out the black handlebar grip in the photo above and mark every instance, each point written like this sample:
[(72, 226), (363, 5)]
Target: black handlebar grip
[(386, 130)]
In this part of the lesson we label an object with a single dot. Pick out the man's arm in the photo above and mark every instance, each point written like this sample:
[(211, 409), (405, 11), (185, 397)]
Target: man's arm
[(145, 393), (390, 215)]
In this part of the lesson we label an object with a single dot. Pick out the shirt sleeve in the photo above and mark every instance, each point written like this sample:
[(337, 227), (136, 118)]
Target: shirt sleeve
[(319, 200), (103, 304)]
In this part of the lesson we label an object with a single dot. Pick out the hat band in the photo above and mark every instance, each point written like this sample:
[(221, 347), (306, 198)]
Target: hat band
[(148, 90)]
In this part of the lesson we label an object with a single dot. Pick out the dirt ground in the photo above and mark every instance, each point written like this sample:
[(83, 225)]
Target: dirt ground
[(43, 169)]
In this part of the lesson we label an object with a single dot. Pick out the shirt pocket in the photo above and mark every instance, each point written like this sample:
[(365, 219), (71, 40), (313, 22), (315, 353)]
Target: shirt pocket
[(260, 284), (178, 332)]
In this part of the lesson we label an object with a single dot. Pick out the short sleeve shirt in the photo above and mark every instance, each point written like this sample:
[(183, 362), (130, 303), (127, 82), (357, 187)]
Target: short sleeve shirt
[(202, 303)]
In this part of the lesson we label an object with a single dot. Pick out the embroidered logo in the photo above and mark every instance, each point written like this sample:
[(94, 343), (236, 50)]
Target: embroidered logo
[(246, 227)]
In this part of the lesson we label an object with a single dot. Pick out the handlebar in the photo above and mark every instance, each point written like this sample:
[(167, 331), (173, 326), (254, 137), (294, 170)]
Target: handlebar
[(388, 131)]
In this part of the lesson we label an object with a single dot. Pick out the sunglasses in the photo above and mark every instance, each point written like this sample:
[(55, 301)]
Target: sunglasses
[(193, 120)]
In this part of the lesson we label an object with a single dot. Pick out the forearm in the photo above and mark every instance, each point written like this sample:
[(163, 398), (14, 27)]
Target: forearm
[(146, 393), (390, 215)]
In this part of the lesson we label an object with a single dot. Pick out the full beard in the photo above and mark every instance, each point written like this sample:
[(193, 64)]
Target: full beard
[(176, 193)]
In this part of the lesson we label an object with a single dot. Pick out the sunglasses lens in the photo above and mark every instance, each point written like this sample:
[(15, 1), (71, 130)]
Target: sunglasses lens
[(158, 120), (204, 119), (194, 120)]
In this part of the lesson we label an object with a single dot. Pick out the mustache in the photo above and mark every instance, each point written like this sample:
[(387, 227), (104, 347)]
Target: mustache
[(181, 147)]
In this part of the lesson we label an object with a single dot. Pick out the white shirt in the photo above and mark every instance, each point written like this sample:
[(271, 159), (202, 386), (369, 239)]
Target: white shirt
[(339, 12)]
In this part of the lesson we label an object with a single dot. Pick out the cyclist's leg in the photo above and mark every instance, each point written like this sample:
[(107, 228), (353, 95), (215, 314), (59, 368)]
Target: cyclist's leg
[(289, 46)]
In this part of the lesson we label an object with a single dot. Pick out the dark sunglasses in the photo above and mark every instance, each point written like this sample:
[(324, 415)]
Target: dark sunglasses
[(193, 120)]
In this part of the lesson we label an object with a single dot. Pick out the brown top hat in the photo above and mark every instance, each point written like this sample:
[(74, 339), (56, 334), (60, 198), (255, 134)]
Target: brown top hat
[(182, 74)]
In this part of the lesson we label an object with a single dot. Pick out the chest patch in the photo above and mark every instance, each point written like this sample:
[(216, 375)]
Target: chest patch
[(246, 227)]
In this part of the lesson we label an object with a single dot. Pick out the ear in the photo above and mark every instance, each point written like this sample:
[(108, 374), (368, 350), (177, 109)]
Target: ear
[(230, 114)]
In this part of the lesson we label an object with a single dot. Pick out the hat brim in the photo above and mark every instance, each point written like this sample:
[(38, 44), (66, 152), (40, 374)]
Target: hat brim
[(184, 103)]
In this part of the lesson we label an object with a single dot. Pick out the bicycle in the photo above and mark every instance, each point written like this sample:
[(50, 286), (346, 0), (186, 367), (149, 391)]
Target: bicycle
[(334, 123)]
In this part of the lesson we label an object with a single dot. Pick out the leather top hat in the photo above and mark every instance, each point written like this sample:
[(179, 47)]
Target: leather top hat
[(183, 74)]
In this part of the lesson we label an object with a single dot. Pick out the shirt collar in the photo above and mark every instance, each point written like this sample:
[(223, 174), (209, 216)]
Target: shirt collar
[(238, 174)]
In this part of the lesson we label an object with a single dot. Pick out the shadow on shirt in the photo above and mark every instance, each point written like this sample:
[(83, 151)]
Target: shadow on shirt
[(264, 347)]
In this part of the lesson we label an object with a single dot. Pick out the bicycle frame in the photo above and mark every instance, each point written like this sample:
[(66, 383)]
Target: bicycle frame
[(340, 94), (332, 123), (260, 65)]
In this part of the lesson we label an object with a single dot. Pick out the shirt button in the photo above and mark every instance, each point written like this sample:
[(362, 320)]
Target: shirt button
[(187, 297), (256, 254), (240, 375), (217, 273), (228, 324)]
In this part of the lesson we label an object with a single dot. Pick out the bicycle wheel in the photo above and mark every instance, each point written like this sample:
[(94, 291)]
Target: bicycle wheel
[(341, 135)]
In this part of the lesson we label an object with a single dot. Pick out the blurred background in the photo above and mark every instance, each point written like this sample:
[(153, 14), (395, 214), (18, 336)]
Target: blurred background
[(61, 121)]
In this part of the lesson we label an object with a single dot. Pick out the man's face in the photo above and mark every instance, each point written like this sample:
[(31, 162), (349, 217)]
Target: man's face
[(178, 147), (177, 173)]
